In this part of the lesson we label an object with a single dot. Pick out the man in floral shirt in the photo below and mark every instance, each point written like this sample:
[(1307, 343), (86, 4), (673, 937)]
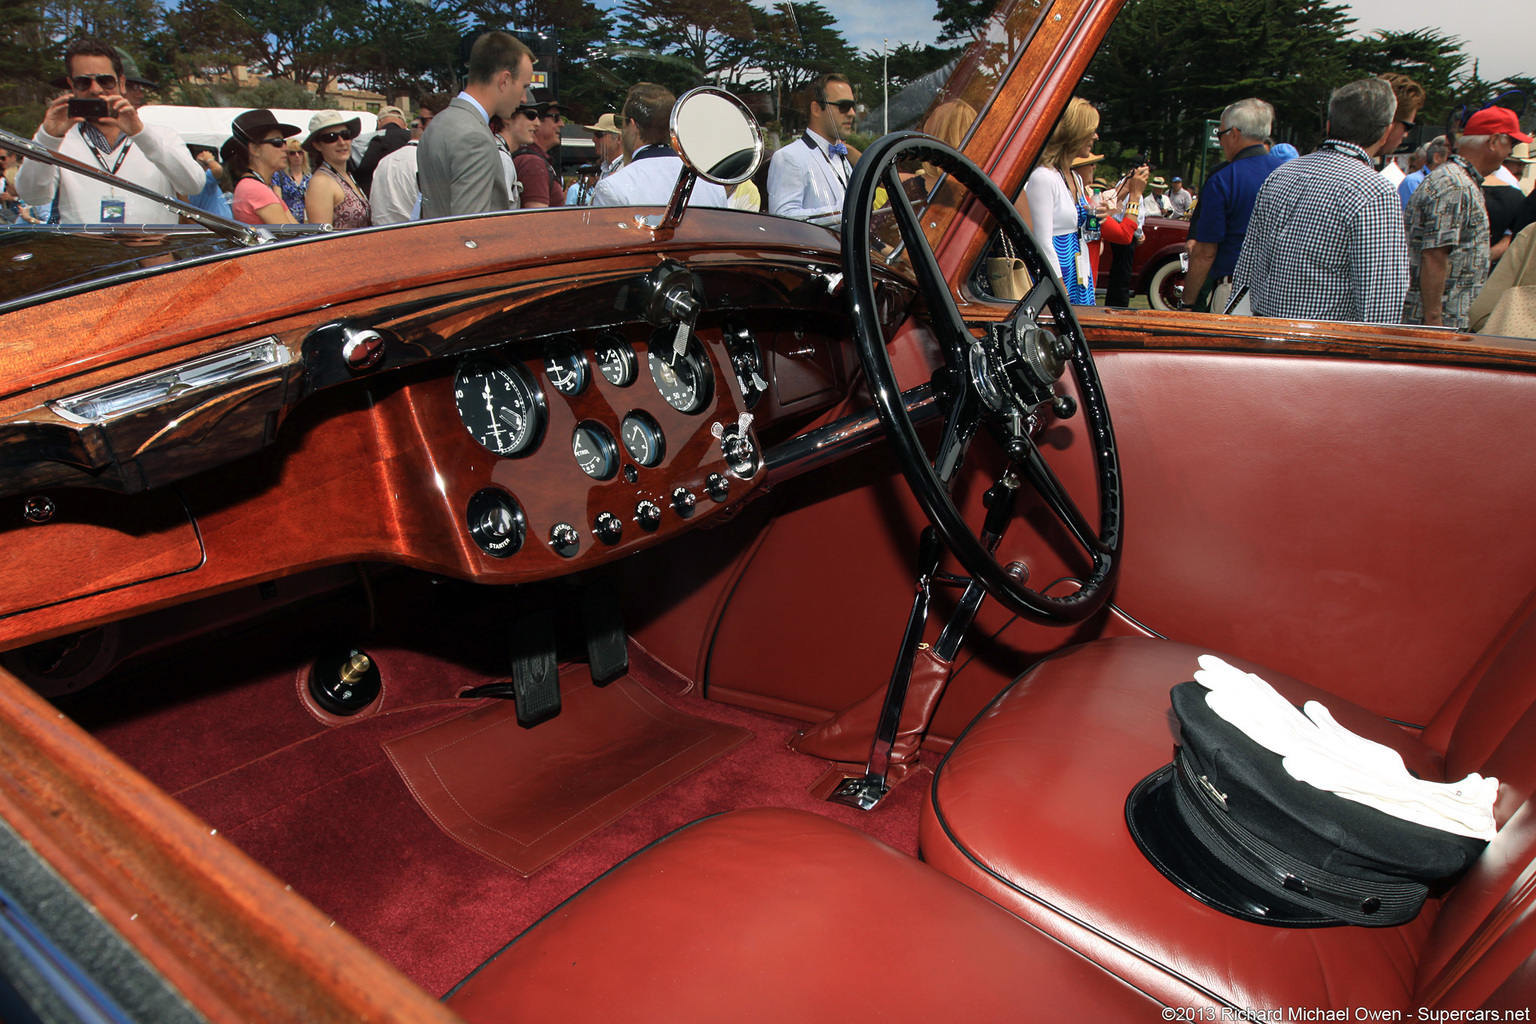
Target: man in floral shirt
[(1448, 224)]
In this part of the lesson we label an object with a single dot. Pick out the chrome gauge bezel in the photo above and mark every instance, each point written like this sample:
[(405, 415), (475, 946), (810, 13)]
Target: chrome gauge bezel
[(606, 450), (628, 366), (645, 424), (565, 365), (488, 371), (660, 359)]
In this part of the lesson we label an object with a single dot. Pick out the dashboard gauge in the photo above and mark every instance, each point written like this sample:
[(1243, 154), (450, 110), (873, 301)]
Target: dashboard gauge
[(595, 451), (685, 381), (499, 404), (642, 438), (566, 367), (616, 360), (747, 360)]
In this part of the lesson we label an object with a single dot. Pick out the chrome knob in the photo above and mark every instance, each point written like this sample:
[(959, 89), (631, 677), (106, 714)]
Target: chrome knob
[(648, 515), (608, 527), (683, 501)]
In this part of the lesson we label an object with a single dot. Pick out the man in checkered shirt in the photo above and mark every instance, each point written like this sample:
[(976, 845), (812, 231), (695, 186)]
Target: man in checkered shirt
[(1326, 238)]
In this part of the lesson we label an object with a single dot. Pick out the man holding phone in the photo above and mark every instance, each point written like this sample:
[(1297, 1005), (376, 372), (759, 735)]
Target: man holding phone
[(95, 124)]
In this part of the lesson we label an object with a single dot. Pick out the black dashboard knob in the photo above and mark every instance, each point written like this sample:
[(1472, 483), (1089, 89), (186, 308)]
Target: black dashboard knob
[(648, 515), (564, 539), (718, 487), (683, 501), (608, 527)]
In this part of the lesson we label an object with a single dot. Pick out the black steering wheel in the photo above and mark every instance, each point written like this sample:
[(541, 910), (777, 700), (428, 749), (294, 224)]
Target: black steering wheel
[(1003, 381)]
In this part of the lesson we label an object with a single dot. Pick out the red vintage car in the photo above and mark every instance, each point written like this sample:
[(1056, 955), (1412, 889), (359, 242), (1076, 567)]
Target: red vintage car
[(486, 608), (1158, 263)]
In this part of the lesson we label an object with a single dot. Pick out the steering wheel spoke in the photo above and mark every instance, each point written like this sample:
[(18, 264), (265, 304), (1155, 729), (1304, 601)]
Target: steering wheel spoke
[(943, 314), (959, 427), (1045, 482), (997, 380)]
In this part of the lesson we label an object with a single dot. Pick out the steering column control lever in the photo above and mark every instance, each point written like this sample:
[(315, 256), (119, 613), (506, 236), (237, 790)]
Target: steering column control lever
[(865, 791), (669, 294)]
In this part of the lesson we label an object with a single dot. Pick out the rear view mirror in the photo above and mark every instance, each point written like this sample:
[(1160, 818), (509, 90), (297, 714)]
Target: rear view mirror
[(717, 136)]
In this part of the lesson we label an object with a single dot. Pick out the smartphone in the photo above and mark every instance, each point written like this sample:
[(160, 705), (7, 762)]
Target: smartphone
[(91, 109)]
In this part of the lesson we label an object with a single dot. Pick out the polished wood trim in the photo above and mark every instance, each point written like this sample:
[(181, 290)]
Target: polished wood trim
[(1184, 331), (238, 944)]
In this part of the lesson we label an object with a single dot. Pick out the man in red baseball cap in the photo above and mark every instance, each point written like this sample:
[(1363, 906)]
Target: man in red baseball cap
[(1448, 224)]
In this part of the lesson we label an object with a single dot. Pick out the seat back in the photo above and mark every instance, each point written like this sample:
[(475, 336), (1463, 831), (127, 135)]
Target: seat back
[(1482, 947)]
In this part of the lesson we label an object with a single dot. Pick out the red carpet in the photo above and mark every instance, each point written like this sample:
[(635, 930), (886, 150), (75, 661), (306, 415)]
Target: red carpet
[(324, 810)]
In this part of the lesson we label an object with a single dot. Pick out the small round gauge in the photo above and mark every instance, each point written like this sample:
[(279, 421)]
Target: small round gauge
[(685, 381), (595, 451), (616, 360), (566, 367), (499, 404), (642, 439)]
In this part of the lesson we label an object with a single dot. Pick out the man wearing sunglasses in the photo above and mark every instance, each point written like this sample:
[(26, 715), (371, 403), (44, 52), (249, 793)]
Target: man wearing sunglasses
[(809, 176), (119, 143), (458, 162)]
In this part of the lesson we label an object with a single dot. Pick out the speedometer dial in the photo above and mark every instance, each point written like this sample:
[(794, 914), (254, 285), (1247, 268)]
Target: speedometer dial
[(499, 404), (685, 381)]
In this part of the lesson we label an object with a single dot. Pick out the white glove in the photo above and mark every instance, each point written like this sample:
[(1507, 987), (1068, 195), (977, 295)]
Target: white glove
[(1317, 750)]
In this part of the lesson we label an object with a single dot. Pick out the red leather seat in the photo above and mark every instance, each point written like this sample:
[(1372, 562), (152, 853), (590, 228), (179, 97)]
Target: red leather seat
[(786, 916), (1028, 809)]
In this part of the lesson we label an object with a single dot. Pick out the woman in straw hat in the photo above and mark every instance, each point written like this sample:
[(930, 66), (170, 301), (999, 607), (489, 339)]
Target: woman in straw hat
[(332, 196)]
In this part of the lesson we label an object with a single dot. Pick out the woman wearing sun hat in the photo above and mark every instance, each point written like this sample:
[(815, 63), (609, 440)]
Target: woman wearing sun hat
[(252, 154), (332, 196)]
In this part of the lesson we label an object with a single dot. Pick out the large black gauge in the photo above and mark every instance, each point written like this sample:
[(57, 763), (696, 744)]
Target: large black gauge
[(595, 451), (616, 360), (685, 381), (500, 405), (566, 367), (642, 438)]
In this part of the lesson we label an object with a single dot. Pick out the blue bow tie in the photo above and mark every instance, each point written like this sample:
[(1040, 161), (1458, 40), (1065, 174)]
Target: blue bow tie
[(838, 149)]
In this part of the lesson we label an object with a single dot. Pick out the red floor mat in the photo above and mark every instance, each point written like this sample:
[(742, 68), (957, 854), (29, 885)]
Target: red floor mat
[(323, 809), (524, 796)]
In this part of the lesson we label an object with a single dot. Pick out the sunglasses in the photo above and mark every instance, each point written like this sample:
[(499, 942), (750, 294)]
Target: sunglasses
[(277, 143), (326, 138), (845, 106), (552, 117), (82, 83)]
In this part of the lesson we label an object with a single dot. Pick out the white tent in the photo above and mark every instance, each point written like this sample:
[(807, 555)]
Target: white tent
[(209, 126)]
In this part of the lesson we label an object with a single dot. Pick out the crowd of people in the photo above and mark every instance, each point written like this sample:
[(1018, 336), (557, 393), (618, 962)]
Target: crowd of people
[(1324, 236), (1328, 235)]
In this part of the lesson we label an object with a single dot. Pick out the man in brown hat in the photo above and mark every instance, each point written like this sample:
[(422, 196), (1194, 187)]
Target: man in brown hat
[(119, 143)]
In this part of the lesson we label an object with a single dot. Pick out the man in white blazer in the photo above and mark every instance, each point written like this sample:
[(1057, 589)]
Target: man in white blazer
[(650, 176), (458, 163), (808, 177)]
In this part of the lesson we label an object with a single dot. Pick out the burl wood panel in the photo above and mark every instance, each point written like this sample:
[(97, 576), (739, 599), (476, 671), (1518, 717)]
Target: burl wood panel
[(236, 942), (94, 542)]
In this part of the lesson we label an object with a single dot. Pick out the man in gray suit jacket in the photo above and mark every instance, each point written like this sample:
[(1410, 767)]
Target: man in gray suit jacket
[(457, 163)]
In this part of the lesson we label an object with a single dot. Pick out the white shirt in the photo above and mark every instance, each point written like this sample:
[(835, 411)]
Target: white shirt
[(393, 195), (650, 181), (808, 182), (1052, 209), (157, 159)]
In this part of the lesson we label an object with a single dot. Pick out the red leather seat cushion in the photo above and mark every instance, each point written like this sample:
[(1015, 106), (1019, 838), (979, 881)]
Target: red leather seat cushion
[(1029, 810), (785, 916)]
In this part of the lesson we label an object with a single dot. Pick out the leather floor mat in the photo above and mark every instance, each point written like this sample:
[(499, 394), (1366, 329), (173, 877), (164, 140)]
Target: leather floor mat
[(524, 796)]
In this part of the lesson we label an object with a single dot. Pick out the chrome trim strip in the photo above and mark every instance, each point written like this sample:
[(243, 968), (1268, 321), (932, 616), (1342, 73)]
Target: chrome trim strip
[(805, 452)]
